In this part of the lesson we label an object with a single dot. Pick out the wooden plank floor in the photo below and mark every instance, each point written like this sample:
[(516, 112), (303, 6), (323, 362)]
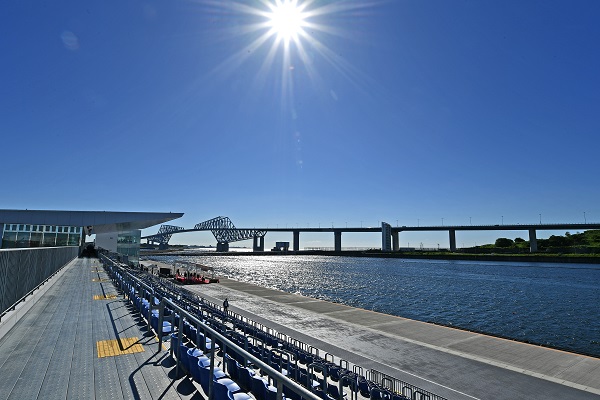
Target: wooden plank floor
[(52, 352)]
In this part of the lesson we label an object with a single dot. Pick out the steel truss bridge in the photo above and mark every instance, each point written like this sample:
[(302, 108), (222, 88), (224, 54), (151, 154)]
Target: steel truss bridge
[(222, 229), (225, 232)]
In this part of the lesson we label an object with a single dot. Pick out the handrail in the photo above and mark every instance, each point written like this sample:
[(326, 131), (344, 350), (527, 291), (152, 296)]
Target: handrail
[(194, 303), (281, 379), (22, 299)]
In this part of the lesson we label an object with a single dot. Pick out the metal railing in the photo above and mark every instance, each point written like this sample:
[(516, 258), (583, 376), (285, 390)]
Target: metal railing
[(22, 271), (195, 309)]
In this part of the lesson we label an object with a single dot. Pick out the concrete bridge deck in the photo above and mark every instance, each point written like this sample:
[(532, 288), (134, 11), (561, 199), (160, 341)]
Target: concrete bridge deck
[(452, 363), (70, 346)]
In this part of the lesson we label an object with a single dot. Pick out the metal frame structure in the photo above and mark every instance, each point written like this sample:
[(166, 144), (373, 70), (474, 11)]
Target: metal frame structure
[(221, 227), (164, 234), (225, 232)]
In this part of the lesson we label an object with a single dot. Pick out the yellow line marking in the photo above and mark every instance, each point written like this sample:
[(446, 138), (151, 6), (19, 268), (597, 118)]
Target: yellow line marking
[(100, 280), (163, 343), (118, 347), (107, 297)]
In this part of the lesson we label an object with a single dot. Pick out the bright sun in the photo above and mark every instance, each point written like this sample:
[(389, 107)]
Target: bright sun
[(286, 19)]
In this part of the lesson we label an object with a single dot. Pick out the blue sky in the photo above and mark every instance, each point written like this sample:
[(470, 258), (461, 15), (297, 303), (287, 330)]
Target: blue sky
[(408, 111)]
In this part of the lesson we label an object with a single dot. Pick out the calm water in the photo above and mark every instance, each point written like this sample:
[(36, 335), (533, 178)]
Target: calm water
[(550, 304)]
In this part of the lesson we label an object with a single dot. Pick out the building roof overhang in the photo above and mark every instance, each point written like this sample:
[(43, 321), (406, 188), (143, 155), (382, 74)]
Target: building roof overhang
[(99, 221)]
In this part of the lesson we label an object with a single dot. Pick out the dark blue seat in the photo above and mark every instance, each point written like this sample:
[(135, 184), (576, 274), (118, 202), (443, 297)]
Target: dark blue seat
[(323, 395), (333, 372), (363, 386), (222, 386), (239, 396), (174, 343), (259, 387), (272, 393), (193, 355), (378, 393), (290, 394), (183, 356), (205, 376), (232, 367), (334, 392), (245, 378)]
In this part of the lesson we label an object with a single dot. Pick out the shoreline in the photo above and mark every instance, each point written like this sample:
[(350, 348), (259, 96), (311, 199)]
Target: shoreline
[(553, 258)]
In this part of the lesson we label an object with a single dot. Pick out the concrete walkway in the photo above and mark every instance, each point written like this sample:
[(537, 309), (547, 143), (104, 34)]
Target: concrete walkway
[(449, 362), (82, 341)]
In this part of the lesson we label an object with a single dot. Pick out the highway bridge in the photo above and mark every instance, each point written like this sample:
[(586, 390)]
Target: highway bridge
[(225, 232)]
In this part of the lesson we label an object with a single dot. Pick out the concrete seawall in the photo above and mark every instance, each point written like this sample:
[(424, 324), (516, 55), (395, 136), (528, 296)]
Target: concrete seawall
[(453, 363)]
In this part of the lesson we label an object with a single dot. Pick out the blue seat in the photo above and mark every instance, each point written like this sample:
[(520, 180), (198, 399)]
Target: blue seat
[(205, 377), (203, 362), (154, 323), (272, 393), (378, 393), (174, 343), (193, 334), (183, 356), (239, 396), (221, 388), (233, 367), (363, 387), (193, 355), (334, 392), (259, 387), (290, 394), (245, 377), (333, 372)]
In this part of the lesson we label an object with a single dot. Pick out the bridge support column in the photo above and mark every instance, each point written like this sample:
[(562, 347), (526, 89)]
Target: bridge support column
[(223, 247), (258, 243), (337, 235), (395, 242), (532, 241), (452, 234), (296, 241)]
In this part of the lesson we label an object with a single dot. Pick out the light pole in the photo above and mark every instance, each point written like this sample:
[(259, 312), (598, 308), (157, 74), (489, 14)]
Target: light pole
[(540, 219), (396, 223), (503, 220), (442, 221), (584, 219), (418, 221), (361, 224), (470, 221)]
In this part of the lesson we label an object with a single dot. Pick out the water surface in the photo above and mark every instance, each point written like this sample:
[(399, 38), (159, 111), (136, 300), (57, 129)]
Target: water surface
[(544, 303)]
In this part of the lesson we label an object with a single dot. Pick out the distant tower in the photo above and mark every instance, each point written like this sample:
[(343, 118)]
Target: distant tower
[(386, 237)]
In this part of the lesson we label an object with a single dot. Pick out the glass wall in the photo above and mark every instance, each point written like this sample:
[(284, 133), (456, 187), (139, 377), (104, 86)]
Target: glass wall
[(128, 244), (25, 235)]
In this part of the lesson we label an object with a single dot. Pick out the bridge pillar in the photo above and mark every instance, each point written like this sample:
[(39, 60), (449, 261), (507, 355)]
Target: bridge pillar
[(223, 247), (532, 241), (395, 242), (296, 241), (337, 235), (258, 243), (452, 234)]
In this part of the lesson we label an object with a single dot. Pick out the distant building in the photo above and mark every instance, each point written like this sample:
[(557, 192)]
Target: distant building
[(386, 237), (33, 235), (115, 231)]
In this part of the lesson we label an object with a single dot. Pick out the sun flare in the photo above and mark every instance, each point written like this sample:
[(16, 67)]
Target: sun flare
[(287, 19)]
